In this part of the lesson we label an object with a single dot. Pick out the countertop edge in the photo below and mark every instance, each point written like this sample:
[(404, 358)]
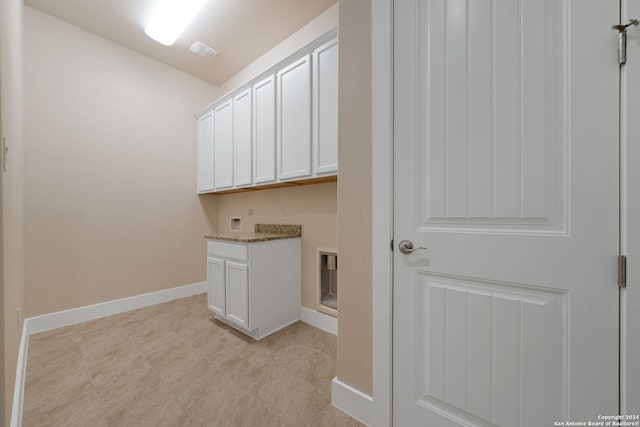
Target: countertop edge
[(248, 239)]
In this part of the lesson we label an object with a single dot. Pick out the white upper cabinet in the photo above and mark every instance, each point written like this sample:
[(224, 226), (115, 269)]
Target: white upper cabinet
[(264, 131), (325, 108), (294, 120), (281, 126), (205, 153), (223, 146), (242, 171)]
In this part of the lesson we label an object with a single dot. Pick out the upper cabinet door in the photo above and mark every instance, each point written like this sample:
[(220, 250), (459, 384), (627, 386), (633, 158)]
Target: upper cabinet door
[(325, 108), (264, 131), (205, 153), (223, 146), (242, 172), (294, 120)]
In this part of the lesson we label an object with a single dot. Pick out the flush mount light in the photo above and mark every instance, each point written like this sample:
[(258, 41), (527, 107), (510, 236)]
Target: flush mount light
[(170, 19)]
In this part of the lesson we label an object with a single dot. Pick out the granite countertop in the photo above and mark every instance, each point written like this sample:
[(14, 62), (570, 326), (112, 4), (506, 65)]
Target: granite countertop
[(261, 233)]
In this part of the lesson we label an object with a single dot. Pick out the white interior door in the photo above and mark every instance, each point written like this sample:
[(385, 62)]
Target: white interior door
[(506, 170)]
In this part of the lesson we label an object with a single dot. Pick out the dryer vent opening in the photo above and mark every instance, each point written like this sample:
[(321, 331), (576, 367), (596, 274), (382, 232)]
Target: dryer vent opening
[(329, 279)]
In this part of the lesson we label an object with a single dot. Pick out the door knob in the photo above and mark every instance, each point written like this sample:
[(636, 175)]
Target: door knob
[(406, 247)]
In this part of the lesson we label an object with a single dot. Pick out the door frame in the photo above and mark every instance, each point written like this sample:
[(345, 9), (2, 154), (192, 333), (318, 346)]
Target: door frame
[(629, 238), (382, 208)]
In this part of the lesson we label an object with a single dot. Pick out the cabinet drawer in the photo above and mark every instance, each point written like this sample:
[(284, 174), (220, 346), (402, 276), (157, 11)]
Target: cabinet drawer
[(228, 250)]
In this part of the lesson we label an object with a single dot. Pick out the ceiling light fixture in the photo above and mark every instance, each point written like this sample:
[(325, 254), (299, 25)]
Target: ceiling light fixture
[(170, 19)]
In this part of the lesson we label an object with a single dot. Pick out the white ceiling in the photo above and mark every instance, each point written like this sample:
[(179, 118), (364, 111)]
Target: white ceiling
[(240, 30)]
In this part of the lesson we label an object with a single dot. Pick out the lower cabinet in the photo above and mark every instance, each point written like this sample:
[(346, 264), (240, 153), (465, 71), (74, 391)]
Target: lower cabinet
[(254, 287)]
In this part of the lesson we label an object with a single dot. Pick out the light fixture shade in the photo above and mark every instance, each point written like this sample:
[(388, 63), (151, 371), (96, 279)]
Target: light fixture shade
[(171, 18)]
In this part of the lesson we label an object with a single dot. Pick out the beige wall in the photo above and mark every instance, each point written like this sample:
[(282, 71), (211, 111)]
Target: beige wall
[(12, 193), (354, 196), (320, 25), (110, 190), (312, 206)]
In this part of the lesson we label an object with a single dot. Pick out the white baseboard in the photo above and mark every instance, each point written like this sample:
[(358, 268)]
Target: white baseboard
[(319, 320), (352, 401), (51, 321), (21, 375)]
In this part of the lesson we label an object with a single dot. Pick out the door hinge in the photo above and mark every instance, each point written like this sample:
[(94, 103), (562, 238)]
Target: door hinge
[(391, 246), (622, 39), (622, 271), (5, 153)]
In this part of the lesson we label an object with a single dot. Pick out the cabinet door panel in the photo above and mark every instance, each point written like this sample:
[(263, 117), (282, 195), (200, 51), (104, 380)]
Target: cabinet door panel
[(223, 146), (264, 131), (294, 120), (325, 108), (242, 175), (216, 281), (205, 153), (238, 293)]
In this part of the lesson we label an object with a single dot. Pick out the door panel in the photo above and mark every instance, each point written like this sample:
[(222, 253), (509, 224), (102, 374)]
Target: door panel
[(493, 127), (325, 108), (294, 120), (480, 340), (506, 163), (205, 153), (223, 146), (264, 131), (238, 287), (242, 139), (216, 282)]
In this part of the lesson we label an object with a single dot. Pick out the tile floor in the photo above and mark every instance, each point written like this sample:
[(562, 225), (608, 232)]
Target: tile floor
[(174, 365)]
